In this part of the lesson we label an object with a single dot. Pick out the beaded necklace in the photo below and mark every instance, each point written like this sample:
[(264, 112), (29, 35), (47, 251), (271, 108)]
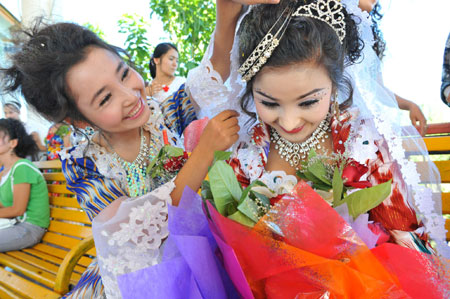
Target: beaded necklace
[(137, 170)]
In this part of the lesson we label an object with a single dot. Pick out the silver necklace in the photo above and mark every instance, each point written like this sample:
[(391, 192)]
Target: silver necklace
[(295, 152)]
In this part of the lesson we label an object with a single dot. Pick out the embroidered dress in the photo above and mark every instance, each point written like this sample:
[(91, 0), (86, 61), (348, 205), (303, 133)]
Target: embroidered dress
[(98, 180), (349, 133)]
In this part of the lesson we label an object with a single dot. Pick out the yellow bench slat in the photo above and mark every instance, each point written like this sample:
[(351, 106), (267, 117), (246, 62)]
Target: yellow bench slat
[(39, 263), (70, 229), (63, 241), (71, 215), (442, 166), (6, 293), (444, 170), (41, 276), (84, 261), (51, 258), (70, 202), (48, 164), (445, 203), (438, 143), (54, 176), (25, 288), (61, 189)]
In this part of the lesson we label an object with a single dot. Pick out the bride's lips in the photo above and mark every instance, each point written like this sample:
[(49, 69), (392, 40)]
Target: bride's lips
[(294, 131), (136, 111)]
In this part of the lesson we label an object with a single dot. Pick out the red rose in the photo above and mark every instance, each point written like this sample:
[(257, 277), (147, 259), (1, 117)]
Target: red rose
[(165, 88), (276, 199), (174, 164), (352, 173)]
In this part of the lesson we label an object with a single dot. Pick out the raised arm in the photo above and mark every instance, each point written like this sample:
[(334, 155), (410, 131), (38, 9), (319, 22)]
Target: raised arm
[(227, 15)]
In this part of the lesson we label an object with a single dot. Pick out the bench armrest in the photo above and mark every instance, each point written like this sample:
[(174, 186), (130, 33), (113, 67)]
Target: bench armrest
[(71, 259)]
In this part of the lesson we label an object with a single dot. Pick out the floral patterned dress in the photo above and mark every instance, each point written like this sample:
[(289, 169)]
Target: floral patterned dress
[(55, 140), (394, 218), (98, 180)]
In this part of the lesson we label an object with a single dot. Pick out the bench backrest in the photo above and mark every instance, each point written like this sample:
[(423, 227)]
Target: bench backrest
[(439, 147), (68, 223)]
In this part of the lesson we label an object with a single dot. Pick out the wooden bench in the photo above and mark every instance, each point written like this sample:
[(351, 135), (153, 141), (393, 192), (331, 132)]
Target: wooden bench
[(47, 269), (437, 142)]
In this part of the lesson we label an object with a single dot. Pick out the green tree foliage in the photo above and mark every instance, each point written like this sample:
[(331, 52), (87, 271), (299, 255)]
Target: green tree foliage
[(190, 24), (136, 44), (96, 30)]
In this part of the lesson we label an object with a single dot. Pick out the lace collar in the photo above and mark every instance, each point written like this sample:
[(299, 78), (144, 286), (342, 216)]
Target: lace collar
[(109, 167)]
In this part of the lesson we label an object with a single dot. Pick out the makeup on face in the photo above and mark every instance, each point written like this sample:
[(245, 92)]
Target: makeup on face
[(293, 99)]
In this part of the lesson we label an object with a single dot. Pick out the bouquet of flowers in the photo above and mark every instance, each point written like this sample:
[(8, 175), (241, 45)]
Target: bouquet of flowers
[(297, 245), (166, 165)]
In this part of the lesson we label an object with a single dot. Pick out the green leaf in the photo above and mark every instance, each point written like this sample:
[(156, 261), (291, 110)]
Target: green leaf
[(264, 199), (321, 186), (221, 156), (364, 200), (249, 187), (242, 219), (319, 171), (206, 190), (231, 209), (249, 208), (224, 186), (173, 151), (338, 187)]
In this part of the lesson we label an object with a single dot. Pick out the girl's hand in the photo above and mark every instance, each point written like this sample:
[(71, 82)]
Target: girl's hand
[(418, 120), (221, 132), (153, 88)]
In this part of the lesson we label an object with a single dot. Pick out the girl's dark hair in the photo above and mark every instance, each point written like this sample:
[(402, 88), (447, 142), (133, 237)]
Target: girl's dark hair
[(39, 68), (379, 45), (14, 129), (305, 40), (160, 50)]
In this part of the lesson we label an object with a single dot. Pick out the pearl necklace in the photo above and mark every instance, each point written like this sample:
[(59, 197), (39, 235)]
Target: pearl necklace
[(295, 152)]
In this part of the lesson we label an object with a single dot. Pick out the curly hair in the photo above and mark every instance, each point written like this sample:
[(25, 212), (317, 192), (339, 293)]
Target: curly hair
[(39, 68), (305, 40), (14, 129), (379, 45)]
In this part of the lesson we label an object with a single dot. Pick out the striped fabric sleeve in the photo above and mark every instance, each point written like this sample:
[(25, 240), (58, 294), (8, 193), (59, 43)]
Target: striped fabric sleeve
[(178, 111), (93, 191)]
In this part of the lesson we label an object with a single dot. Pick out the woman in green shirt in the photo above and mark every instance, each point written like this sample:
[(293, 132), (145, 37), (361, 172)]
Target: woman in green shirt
[(23, 190)]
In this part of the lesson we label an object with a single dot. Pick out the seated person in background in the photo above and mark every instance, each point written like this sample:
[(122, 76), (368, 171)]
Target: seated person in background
[(23, 190), (445, 87), (58, 137), (163, 64), (12, 110)]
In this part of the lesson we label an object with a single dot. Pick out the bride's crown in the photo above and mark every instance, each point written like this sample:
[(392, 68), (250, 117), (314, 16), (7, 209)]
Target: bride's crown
[(328, 11)]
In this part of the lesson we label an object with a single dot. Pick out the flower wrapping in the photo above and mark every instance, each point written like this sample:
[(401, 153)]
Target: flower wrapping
[(189, 267), (302, 248)]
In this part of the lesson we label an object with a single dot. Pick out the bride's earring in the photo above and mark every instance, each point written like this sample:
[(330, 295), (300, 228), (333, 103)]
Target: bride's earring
[(334, 107)]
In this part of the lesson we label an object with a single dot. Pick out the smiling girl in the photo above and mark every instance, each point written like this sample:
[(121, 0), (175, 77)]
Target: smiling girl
[(68, 73)]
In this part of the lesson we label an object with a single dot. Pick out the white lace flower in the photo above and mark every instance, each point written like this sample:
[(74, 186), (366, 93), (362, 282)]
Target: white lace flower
[(279, 181)]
